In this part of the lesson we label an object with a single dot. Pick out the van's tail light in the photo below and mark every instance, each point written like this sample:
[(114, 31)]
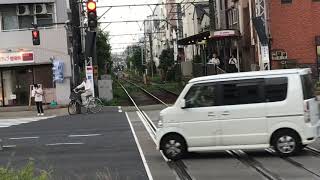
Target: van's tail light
[(307, 118)]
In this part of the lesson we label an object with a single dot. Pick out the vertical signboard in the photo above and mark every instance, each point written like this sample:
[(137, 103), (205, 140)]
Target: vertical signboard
[(89, 75)]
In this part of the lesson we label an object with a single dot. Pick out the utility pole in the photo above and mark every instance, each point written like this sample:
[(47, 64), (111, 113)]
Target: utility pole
[(76, 43), (212, 27), (151, 52)]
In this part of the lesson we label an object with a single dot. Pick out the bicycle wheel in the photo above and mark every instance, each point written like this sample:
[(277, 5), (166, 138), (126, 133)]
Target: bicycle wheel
[(72, 108), (95, 105)]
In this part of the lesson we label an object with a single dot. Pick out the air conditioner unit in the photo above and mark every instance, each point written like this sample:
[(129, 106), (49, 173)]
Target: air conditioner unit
[(274, 56), (284, 55), (40, 9), (23, 10)]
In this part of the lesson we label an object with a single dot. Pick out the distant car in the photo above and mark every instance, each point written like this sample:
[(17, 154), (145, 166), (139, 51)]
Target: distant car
[(250, 110)]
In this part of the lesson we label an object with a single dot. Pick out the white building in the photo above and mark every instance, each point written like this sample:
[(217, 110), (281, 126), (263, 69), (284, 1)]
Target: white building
[(21, 63)]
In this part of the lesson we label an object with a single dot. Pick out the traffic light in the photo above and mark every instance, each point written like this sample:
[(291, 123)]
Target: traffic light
[(57, 71), (36, 37), (92, 14)]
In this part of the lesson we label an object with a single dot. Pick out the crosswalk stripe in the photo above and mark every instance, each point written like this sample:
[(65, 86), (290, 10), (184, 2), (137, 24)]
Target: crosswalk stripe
[(11, 122)]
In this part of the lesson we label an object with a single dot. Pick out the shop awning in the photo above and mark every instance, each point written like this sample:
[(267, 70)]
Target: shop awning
[(194, 38), (213, 35)]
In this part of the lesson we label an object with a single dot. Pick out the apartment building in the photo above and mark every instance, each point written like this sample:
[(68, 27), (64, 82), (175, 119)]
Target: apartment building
[(21, 63), (294, 26)]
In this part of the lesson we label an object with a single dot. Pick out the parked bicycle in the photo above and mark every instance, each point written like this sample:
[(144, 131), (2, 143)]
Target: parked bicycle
[(92, 105)]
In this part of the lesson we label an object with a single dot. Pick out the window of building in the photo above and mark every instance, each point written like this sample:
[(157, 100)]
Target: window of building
[(233, 17), (286, 1), (276, 89), (203, 95), (22, 16)]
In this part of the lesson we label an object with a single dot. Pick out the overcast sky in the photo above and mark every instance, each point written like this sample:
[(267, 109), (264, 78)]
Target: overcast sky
[(124, 13)]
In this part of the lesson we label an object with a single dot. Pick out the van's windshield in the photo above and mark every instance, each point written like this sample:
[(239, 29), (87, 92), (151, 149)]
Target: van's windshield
[(308, 87)]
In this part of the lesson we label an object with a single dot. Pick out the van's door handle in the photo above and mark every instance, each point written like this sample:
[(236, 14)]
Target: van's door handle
[(226, 113), (211, 114)]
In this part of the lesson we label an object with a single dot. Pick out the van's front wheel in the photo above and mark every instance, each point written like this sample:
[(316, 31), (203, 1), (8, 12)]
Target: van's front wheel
[(173, 147), (287, 143)]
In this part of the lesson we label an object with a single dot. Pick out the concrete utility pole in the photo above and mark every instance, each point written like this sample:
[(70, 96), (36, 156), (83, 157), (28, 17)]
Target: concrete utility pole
[(212, 27), (76, 43), (212, 13), (76, 39), (151, 52)]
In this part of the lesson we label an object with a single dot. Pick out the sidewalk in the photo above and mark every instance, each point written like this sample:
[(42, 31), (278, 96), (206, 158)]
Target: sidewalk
[(24, 112)]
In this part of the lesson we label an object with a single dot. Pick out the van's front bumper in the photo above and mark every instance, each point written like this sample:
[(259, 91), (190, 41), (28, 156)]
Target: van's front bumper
[(312, 132)]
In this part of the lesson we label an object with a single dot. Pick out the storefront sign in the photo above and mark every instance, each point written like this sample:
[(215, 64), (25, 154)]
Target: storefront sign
[(16, 58), (224, 33), (265, 54), (89, 75)]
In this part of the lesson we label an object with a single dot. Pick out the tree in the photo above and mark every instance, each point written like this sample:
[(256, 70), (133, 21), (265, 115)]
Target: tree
[(103, 53), (166, 61), (134, 57)]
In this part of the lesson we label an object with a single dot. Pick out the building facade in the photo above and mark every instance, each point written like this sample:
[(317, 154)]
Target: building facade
[(21, 63), (294, 26)]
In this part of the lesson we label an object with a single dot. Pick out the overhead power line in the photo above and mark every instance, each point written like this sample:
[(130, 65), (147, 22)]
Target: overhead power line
[(151, 4), (134, 21), (135, 34)]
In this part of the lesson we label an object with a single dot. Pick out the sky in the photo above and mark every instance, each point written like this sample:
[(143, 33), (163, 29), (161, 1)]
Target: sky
[(119, 43)]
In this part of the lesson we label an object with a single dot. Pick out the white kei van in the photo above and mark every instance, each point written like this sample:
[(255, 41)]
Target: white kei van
[(250, 110)]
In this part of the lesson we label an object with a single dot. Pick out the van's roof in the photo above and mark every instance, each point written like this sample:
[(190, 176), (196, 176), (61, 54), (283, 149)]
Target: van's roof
[(250, 74)]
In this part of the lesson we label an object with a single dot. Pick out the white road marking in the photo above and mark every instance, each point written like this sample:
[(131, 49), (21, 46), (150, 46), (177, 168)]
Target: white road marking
[(59, 144), (11, 122), (83, 135), (20, 138), (9, 146), (140, 150)]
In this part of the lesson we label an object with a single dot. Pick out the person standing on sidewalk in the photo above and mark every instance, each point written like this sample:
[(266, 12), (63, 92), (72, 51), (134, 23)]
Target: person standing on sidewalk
[(214, 61), (38, 98), (233, 64)]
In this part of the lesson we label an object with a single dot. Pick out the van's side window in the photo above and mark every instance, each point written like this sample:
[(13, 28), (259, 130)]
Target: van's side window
[(276, 89), (307, 86), (242, 92), (202, 95)]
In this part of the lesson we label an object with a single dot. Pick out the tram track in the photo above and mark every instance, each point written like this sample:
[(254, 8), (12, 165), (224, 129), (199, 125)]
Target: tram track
[(294, 163), (179, 167)]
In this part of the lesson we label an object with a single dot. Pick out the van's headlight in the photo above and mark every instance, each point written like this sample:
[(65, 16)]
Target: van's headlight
[(160, 122)]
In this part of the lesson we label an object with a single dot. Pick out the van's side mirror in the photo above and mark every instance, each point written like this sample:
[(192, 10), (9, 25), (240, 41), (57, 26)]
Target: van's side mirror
[(183, 104)]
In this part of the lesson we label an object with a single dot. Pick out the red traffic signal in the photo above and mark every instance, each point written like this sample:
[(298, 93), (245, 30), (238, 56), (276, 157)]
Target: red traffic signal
[(92, 14), (36, 37), (91, 6)]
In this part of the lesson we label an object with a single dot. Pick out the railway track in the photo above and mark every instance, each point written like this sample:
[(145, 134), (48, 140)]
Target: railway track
[(179, 167)]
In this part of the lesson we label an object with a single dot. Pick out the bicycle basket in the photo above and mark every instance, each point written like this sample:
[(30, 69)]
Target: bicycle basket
[(74, 96)]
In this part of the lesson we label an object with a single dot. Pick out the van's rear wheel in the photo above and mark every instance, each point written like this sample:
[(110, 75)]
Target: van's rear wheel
[(287, 143), (173, 147)]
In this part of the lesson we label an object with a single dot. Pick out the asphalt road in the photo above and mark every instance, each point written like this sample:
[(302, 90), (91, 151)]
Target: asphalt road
[(117, 145), (76, 147)]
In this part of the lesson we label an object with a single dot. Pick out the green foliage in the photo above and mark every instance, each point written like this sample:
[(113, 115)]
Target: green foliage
[(166, 59), (26, 173), (103, 53), (166, 62), (134, 58)]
